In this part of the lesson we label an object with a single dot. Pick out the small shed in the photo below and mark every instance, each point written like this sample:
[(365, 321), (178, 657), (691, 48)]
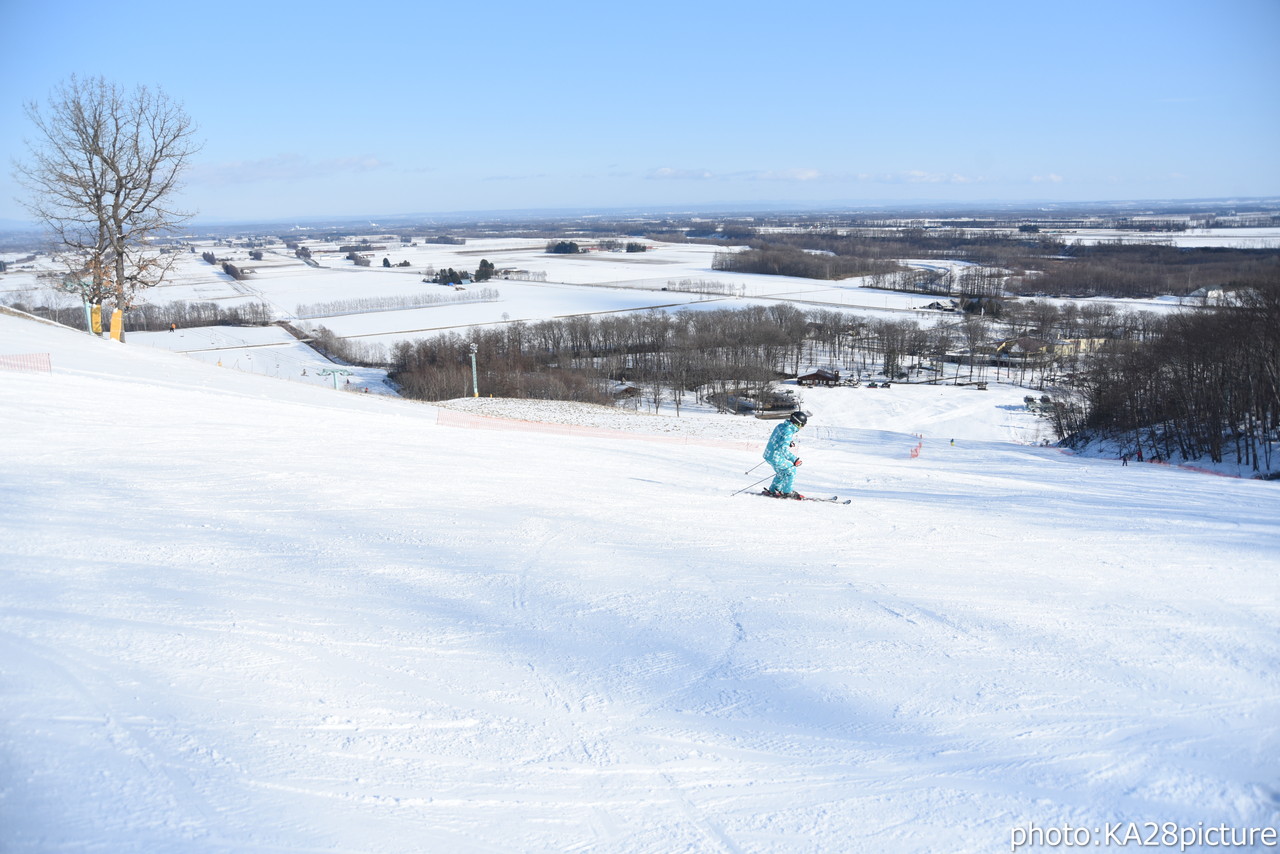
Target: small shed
[(623, 390)]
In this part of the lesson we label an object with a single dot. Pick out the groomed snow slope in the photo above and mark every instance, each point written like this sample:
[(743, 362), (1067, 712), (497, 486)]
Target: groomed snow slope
[(241, 615)]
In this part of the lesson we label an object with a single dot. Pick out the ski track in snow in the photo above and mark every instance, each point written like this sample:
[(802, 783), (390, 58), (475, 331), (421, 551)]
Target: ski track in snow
[(240, 615)]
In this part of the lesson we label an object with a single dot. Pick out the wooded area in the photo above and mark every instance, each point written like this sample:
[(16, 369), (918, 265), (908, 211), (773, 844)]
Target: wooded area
[(1017, 264), (156, 318), (1204, 382), (572, 358)]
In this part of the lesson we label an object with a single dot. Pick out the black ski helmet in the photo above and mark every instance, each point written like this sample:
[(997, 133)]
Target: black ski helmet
[(799, 418)]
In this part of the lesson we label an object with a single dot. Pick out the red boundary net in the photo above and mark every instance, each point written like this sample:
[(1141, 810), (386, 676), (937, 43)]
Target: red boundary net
[(36, 363), (451, 418)]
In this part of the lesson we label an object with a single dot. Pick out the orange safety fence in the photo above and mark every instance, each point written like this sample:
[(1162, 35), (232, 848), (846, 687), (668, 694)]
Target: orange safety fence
[(451, 418)]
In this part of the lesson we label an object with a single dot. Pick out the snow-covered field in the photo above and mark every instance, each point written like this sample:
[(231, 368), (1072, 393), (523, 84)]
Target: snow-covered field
[(266, 350), (1192, 238), (574, 284), (241, 615), (667, 277)]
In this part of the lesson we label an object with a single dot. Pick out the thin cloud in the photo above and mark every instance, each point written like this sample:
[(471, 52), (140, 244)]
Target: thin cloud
[(802, 175), (282, 167), (918, 176), (667, 173), (911, 176)]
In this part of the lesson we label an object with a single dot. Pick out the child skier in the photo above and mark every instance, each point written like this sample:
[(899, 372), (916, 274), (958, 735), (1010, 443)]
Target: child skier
[(778, 454)]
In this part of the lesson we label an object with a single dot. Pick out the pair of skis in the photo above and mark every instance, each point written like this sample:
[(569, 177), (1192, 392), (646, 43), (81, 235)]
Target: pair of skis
[(835, 499)]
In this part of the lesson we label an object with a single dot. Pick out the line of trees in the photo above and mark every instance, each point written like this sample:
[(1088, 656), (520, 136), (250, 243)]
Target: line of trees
[(484, 273), (232, 270), (782, 260), (1193, 384), (1203, 383), (1143, 270), (1026, 264), (573, 358), (666, 354), (613, 245), (701, 286), (156, 318)]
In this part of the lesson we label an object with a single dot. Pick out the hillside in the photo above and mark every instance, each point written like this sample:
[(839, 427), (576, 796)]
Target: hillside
[(244, 615)]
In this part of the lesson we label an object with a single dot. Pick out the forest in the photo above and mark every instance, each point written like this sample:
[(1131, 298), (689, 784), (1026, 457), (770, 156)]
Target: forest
[(1201, 384), (1197, 383), (146, 317), (579, 358), (1019, 264)]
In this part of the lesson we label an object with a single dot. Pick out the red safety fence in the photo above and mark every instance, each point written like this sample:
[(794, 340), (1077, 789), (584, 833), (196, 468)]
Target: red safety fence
[(451, 418), (36, 363)]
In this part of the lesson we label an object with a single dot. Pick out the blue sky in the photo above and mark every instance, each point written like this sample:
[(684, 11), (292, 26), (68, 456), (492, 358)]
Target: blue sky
[(322, 108)]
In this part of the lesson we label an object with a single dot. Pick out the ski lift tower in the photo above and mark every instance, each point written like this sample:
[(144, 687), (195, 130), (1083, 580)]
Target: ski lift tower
[(475, 386), (333, 372)]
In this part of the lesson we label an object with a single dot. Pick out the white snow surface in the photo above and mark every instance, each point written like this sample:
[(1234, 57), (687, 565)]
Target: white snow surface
[(266, 350), (241, 615)]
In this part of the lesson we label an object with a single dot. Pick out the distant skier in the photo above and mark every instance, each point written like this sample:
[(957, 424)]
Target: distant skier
[(779, 455)]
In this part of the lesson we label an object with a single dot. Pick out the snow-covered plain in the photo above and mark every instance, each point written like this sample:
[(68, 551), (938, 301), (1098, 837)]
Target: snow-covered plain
[(590, 283), (241, 615), (594, 282), (266, 350), (1236, 238)]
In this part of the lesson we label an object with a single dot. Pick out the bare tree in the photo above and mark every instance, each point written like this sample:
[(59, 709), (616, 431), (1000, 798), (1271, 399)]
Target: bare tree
[(974, 331), (102, 176)]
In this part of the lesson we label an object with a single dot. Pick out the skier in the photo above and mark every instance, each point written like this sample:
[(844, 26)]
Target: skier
[(778, 454)]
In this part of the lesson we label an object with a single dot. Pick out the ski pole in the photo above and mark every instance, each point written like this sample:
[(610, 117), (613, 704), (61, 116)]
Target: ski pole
[(757, 483)]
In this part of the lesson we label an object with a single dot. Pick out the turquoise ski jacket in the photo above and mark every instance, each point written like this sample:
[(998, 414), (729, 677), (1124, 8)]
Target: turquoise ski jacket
[(778, 451)]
